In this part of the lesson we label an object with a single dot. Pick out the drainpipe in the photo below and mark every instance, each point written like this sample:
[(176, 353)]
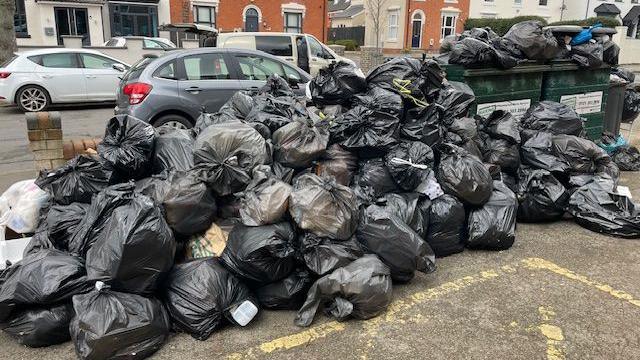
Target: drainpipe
[(406, 24), (324, 22), (586, 14), (562, 10)]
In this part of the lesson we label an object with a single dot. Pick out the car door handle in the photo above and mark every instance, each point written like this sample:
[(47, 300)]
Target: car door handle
[(47, 76), (289, 59), (90, 76), (193, 89), (314, 59)]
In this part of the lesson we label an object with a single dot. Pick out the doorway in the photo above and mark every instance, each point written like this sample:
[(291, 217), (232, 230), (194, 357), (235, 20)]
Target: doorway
[(416, 31), (251, 20), (72, 21)]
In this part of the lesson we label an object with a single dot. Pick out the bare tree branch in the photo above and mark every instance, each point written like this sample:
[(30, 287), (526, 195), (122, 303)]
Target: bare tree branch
[(377, 16), (7, 33)]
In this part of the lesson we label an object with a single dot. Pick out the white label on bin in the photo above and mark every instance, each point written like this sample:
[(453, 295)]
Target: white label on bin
[(517, 108), (587, 103)]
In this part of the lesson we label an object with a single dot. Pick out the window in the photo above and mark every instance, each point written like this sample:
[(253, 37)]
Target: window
[(393, 25), (8, 61), (20, 20), (542, 2), (448, 24), (292, 74), (61, 60), (258, 68), (517, 2), (167, 71), (275, 45), (316, 49), (150, 44), (292, 22), (96, 62), (205, 15), (136, 70), (206, 67), (133, 19)]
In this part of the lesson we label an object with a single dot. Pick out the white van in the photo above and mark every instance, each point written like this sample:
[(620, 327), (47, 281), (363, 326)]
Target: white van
[(289, 47)]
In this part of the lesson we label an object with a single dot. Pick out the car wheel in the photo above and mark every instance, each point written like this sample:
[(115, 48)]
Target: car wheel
[(32, 98), (174, 121)]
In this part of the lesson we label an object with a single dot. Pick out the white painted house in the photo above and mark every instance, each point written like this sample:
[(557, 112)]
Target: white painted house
[(550, 10)]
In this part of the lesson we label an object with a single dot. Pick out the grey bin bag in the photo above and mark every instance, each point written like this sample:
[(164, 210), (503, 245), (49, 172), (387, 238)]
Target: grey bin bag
[(266, 199), (322, 255), (300, 142), (361, 290)]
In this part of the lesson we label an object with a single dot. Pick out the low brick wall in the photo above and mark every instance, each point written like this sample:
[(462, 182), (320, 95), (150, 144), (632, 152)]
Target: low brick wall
[(44, 131)]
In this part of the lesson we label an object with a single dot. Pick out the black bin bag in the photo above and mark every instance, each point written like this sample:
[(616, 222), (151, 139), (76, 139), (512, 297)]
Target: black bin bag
[(299, 143), (539, 152), (595, 206), (423, 123), (286, 294), (535, 42), (631, 107), (409, 163), (323, 207), (493, 226), (189, 205), (383, 232), (446, 227), (464, 133), (260, 254), (322, 255), (541, 196), (421, 79), (45, 277), (76, 181), (365, 129), (463, 175), (135, 250), (266, 199), (473, 53), (127, 146), (382, 100), (374, 176), (62, 221), (456, 98), (239, 104), (40, 326), (226, 153), (584, 156), (173, 150), (627, 158), (117, 325), (361, 290), (552, 117), (589, 55), (198, 295), (339, 163), (501, 140), (337, 83)]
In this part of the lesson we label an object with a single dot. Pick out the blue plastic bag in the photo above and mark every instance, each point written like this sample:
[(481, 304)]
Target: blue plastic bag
[(584, 36), (611, 147)]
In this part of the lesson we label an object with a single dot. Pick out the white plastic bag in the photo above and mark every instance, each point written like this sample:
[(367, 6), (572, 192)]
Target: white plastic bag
[(20, 205)]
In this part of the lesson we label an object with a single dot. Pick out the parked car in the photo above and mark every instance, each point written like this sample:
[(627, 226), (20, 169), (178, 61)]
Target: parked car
[(147, 42), (289, 47), (35, 79), (177, 87)]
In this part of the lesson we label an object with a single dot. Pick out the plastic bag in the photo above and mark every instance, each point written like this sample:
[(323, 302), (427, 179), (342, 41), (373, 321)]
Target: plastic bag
[(589, 55), (538, 152), (127, 146), (266, 199), (362, 128), (493, 226), (286, 294), (173, 150), (448, 42), (198, 295), (409, 163), (463, 175), (274, 113), (323, 207), (117, 325), (597, 207), (382, 100), (585, 35), (422, 123), (337, 83), (260, 254), (631, 107), (62, 221), (473, 53), (20, 205), (40, 326), (541, 196), (135, 249), (276, 86), (323, 255), (623, 73), (582, 155), (552, 117), (76, 181), (299, 143), (534, 42), (361, 290), (445, 220), (502, 153), (611, 52), (339, 163), (627, 158), (45, 277), (456, 99), (239, 105), (382, 232), (464, 133), (408, 76), (405, 207), (227, 153), (211, 243)]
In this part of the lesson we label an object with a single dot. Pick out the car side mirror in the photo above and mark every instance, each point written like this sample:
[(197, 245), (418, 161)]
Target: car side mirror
[(293, 82), (119, 67)]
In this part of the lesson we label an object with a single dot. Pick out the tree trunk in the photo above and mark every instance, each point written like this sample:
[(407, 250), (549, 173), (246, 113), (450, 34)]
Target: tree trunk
[(7, 33)]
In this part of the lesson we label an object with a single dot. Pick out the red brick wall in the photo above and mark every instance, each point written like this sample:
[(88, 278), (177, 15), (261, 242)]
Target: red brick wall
[(431, 28), (181, 11)]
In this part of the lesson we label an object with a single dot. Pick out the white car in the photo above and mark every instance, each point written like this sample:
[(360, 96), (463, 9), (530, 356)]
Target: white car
[(147, 42), (35, 79)]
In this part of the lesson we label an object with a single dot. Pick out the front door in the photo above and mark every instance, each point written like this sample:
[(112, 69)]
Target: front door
[(416, 34), (72, 21), (251, 20)]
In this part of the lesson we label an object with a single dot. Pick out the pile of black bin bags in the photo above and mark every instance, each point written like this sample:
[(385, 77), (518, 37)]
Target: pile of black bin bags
[(327, 202)]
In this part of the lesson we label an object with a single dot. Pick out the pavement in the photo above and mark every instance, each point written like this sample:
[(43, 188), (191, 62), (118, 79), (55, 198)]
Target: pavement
[(561, 292)]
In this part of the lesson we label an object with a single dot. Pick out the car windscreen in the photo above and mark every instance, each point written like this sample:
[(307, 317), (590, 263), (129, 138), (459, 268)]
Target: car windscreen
[(137, 68), (8, 61)]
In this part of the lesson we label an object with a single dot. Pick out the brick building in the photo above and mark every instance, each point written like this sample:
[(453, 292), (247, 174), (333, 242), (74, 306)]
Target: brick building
[(307, 16)]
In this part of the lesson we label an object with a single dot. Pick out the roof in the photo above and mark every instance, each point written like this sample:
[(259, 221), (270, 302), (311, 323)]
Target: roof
[(606, 9), (349, 12), (632, 16), (338, 5)]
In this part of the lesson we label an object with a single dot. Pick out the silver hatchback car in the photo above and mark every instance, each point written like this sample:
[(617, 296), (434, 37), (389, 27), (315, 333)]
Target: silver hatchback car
[(176, 88)]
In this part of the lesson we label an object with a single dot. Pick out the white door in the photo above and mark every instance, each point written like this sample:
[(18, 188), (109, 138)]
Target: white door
[(101, 78), (61, 76), (319, 58)]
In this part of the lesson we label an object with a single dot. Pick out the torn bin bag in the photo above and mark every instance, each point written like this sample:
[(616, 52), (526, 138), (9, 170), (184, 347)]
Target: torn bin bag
[(260, 254), (286, 294), (40, 326), (361, 290), (127, 146), (322, 255), (541, 196), (299, 143), (446, 227), (173, 150), (323, 207), (198, 295), (76, 181), (337, 83), (463, 175), (493, 226), (117, 325), (135, 250), (409, 163)]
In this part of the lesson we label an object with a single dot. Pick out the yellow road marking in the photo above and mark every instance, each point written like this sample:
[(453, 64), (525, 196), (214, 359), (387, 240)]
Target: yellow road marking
[(552, 333)]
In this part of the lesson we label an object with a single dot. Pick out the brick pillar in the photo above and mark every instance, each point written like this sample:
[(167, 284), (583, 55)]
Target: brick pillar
[(44, 130), (370, 58), (338, 49)]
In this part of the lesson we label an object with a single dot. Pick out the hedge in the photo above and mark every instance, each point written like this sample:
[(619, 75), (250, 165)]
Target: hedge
[(349, 45), (606, 22), (500, 26)]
